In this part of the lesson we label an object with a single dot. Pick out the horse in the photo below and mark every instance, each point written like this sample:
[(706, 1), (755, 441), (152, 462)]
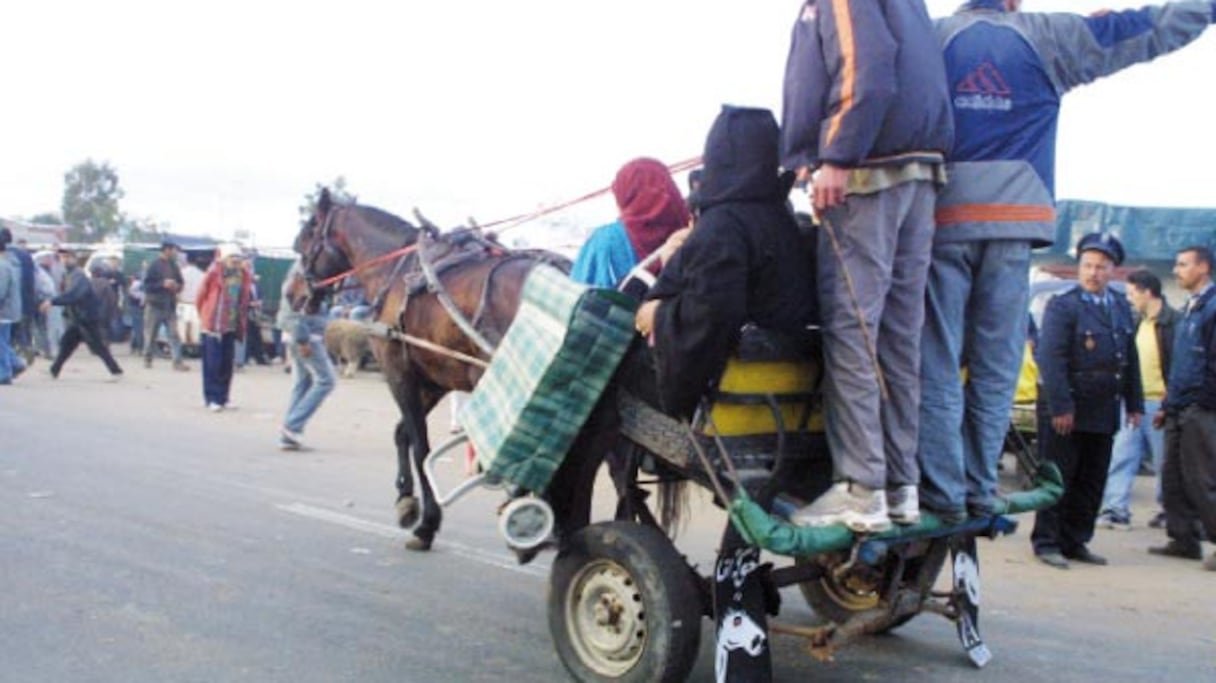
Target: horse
[(443, 324)]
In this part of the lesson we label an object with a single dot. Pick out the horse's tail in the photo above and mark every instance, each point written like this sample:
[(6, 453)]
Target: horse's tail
[(673, 505)]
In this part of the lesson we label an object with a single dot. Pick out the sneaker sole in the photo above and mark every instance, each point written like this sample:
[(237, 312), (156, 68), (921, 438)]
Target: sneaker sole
[(855, 523)]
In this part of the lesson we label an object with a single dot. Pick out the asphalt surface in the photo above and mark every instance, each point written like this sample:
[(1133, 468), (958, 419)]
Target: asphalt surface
[(146, 539)]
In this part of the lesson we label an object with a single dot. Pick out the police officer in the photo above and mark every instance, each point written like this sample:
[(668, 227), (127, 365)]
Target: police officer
[(1088, 364)]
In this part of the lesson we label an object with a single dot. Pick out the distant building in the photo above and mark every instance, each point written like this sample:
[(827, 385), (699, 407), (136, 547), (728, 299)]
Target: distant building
[(38, 235)]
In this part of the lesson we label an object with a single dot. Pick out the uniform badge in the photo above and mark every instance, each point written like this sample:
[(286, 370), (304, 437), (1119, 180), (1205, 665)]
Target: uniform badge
[(1090, 344)]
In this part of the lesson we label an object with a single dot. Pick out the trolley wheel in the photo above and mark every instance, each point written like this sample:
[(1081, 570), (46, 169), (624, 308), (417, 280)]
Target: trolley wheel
[(622, 605), (859, 589)]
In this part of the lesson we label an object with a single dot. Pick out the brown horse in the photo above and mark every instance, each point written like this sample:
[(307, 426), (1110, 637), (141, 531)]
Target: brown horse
[(481, 280)]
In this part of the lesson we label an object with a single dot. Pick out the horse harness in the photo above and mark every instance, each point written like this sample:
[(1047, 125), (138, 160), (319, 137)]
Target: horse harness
[(442, 254)]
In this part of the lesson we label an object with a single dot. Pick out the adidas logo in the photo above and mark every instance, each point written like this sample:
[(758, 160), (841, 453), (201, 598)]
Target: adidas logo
[(984, 89)]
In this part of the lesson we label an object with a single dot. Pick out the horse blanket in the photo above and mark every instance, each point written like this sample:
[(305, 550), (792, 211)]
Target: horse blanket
[(550, 370)]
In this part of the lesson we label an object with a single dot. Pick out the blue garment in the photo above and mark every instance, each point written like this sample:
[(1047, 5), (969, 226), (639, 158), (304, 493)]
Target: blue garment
[(29, 305), (314, 380), (962, 427), (863, 85), (10, 288), (219, 356), (8, 359), (605, 258), (1192, 379), (1007, 73), (1132, 444), (1088, 362)]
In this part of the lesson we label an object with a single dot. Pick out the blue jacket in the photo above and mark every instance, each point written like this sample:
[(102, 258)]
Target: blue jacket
[(864, 85), (10, 287), (1192, 379), (1007, 73), (29, 305), (79, 296), (1088, 361)]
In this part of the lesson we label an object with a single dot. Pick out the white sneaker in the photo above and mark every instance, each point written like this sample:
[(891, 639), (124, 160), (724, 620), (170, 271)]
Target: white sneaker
[(861, 509), (903, 505), (214, 407), (295, 439)]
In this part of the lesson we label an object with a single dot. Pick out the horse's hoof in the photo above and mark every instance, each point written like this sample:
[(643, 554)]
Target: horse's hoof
[(407, 512), (418, 544)]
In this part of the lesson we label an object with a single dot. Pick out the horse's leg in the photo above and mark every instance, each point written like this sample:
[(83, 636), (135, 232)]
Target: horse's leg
[(422, 401), (401, 386)]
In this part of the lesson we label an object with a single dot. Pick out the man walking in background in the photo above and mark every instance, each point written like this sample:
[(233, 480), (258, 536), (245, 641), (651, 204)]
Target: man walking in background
[(314, 373), (83, 311), (1154, 344), (162, 283), (11, 364)]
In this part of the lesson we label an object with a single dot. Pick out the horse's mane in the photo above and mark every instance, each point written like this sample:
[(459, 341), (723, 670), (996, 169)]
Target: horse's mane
[(381, 219)]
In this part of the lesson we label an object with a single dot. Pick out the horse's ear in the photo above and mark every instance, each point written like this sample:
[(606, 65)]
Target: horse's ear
[(324, 202)]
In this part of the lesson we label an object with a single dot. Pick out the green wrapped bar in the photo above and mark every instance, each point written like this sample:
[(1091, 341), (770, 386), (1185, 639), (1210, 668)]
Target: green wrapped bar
[(775, 535)]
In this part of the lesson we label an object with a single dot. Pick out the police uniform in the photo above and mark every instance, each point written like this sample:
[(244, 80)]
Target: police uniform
[(1088, 365)]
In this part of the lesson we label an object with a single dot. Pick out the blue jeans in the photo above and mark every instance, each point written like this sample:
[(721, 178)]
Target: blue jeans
[(9, 361), (975, 316), (218, 355), (1131, 445), (314, 380), (153, 320)]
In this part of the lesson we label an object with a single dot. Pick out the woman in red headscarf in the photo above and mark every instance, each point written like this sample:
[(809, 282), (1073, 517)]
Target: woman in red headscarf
[(651, 212)]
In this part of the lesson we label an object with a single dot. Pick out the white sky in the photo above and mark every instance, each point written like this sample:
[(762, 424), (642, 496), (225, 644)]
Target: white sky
[(221, 115)]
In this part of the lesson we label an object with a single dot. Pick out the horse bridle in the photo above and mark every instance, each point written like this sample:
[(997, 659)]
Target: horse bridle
[(316, 282)]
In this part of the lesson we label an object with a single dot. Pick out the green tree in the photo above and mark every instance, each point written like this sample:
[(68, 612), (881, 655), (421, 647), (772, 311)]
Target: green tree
[(146, 229), (90, 200), (337, 190)]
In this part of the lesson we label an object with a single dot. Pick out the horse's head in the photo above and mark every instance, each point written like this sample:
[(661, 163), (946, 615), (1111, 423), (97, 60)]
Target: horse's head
[(299, 294), (320, 247)]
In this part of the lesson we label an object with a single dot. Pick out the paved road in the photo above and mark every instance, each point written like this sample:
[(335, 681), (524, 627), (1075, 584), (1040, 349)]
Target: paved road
[(145, 539)]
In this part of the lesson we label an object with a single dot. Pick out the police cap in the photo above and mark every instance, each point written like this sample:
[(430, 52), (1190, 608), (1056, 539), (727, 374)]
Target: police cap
[(1104, 242)]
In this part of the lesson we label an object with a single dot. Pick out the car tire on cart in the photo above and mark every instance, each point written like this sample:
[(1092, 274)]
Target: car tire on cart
[(623, 606), (838, 598)]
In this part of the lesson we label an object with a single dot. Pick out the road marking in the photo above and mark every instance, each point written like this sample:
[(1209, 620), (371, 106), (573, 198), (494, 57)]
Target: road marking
[(467, 552)]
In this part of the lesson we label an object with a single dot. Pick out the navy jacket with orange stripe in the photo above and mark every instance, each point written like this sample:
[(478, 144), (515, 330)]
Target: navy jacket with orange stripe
[(864, 81), (1007, 73)]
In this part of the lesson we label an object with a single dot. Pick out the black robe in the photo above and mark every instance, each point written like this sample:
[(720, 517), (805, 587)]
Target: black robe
[(745, 261)]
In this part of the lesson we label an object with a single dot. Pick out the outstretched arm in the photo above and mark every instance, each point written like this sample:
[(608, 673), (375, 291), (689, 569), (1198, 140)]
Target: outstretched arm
[(1079, 50)]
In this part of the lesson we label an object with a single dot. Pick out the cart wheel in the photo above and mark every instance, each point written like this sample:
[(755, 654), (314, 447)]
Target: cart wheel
[(622, 605), (859, 589)]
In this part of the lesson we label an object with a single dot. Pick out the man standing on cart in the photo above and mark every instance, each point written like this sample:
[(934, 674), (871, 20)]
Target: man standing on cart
[(867, 121), (1008, 71)]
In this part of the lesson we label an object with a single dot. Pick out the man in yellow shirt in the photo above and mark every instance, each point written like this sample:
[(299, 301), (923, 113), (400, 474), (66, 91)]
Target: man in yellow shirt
[(1154, 342)]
